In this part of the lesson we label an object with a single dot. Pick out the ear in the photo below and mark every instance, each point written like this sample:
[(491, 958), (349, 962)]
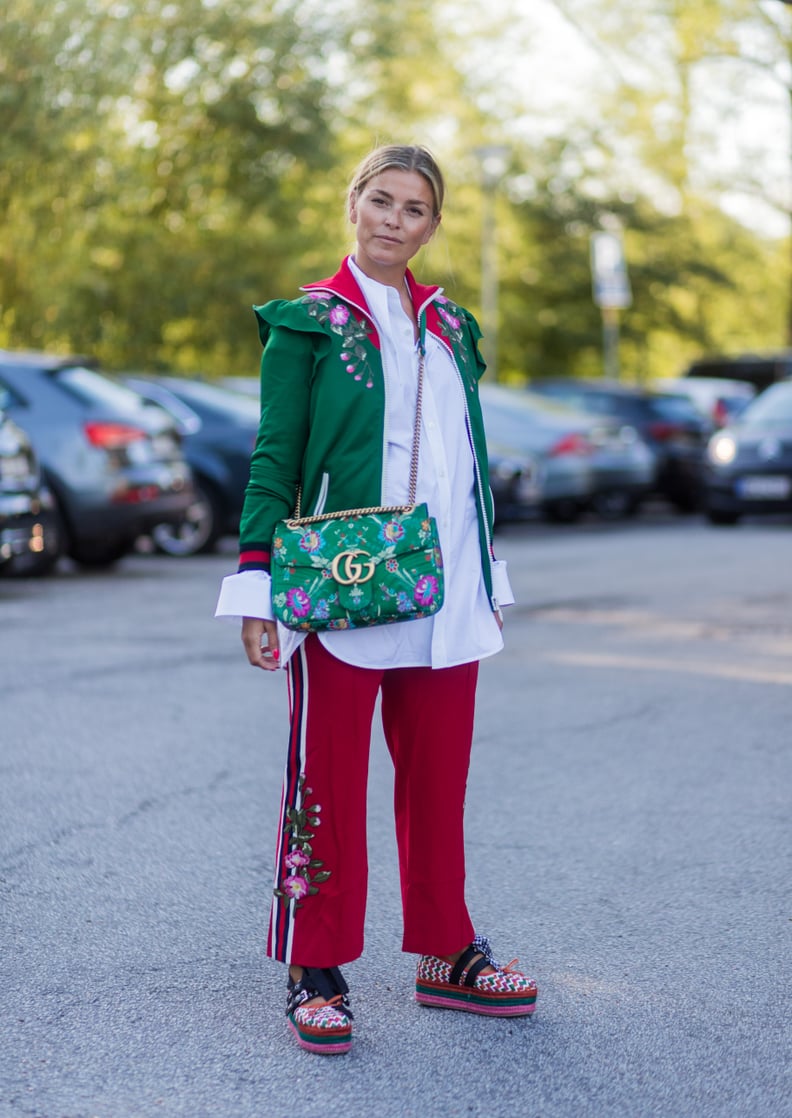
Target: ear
[(431, 230), (353, 208)]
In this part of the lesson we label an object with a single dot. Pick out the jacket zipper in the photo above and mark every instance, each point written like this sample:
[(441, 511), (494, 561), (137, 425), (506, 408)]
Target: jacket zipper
[(367, 315), (476, 469), (421, 341), (321, 500)]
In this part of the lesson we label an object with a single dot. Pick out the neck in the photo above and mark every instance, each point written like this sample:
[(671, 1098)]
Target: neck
[(390, 276)]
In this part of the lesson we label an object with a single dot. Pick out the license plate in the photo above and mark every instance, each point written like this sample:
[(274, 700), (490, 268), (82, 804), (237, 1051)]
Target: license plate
[(764, 488), (164, 446)]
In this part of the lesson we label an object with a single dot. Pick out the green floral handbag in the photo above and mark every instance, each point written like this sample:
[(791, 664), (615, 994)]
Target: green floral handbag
[(359, 567), (353, 569)]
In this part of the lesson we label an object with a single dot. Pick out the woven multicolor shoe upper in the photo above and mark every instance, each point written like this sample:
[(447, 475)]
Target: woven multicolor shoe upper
[(434, 970), (321, 1017), (502, 992)]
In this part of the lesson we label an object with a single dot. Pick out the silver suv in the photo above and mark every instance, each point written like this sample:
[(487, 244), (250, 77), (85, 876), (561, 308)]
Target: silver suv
[(114, 465)]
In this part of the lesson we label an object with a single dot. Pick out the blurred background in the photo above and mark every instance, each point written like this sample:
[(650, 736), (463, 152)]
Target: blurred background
[(618, 217), (165, 165)]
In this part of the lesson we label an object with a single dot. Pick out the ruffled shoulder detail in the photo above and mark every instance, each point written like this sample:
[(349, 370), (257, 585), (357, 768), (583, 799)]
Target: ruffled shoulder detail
[(292, 314)]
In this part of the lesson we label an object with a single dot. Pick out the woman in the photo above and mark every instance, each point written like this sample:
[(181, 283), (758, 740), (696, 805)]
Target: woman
[(338, 389)]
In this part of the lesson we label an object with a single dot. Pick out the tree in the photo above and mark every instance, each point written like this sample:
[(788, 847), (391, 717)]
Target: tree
[(179, 143)]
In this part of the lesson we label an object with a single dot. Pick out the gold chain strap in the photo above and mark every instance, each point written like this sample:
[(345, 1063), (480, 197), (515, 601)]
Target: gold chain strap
[(298, 521), (416, 429), (301, 521)]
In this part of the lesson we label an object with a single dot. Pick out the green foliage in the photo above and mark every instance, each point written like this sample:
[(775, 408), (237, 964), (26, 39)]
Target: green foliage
[(179, 142), (163, 166), (700, 283)]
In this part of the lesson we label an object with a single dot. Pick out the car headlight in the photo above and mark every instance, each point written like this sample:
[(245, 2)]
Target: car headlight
[(722, 450)]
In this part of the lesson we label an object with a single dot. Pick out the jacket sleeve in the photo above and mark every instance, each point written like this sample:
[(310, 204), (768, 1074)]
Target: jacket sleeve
[(474, 337), (291, 341)]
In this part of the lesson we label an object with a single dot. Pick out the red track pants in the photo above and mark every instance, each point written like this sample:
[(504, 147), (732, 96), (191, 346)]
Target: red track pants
[(321, 865)]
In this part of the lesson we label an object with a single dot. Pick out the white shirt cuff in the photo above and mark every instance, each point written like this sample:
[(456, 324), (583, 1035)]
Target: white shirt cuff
[(246, 594), (501, 587)]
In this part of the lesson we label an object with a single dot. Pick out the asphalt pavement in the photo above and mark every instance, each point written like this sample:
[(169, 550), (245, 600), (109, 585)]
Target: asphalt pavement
[(627, 830)]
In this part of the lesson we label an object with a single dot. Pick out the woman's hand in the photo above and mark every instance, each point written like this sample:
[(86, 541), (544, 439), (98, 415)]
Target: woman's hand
[(260, 652)]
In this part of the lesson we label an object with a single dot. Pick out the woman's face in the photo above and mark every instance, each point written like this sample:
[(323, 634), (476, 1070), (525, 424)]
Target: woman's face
[(394, 216)]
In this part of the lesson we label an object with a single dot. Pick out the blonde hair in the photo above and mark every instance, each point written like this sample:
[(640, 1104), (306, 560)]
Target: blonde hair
[(402, 157)]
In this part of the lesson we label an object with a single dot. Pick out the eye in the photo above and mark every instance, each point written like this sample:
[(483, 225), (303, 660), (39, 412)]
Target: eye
[(379, 201)]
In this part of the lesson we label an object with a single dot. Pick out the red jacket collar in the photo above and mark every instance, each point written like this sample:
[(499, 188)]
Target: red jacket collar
[(344, 284)]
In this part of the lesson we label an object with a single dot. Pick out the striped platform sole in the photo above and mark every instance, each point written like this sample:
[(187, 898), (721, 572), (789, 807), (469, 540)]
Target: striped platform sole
[(471, 1000), (325, 1042)]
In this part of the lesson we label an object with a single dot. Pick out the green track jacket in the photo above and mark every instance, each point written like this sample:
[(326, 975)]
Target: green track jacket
[(323, 408)]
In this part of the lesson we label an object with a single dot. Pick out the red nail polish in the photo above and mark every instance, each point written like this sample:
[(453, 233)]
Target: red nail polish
[(276, 654)]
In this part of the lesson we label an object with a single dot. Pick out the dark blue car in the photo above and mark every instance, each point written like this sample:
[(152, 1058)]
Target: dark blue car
[(30, 542), (218, 429)]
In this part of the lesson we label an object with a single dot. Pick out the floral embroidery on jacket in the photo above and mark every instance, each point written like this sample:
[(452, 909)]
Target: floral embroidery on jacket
[(333, 312), (451, 319), (301, 878)]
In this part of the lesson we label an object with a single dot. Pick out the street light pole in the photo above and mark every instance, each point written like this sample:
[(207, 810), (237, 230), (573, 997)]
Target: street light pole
[(492, 161)]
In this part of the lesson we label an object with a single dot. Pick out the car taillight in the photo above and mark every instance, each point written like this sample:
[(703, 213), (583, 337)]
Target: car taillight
[(112, 435), (571, 444), (662, 432)]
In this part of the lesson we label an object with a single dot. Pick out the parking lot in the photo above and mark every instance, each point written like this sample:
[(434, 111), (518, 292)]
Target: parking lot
[(627, 832)]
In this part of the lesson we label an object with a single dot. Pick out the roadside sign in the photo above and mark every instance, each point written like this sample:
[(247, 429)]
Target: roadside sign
[(611, 286)]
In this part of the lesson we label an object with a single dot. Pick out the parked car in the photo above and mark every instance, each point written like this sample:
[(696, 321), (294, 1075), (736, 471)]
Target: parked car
[(246, 386), (750, 463), (218, 429), (760, 370), (29, 537), (114, 467), (719, 400), (671, 426), (547, 459)]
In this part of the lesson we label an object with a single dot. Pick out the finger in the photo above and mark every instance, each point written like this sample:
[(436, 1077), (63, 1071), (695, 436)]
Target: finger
[(270, 642), (269, 655), (261, 652)]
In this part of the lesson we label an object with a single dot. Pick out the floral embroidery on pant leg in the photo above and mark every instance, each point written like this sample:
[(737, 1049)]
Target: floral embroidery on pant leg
[(304, 873)]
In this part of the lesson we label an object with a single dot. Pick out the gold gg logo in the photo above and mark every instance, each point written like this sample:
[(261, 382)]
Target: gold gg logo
[(345, 570)]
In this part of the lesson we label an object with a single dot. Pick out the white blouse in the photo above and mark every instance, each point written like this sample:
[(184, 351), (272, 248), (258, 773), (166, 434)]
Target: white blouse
[(465, 628)]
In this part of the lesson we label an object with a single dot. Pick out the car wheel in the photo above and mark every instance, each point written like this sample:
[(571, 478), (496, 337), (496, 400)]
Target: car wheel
[(91, 552), (99, 554), (614, 504), (720, 516), (564, 511), (685, 503), (197, 533)]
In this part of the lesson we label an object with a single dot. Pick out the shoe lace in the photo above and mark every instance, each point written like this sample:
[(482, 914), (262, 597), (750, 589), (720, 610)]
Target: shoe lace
[(482, 945)]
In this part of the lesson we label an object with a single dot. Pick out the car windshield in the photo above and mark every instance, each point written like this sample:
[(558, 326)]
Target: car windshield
[(595, 402), (508, 428), (675, 409), (774, 406), (233, 404), (518, 420), (92, 388)]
